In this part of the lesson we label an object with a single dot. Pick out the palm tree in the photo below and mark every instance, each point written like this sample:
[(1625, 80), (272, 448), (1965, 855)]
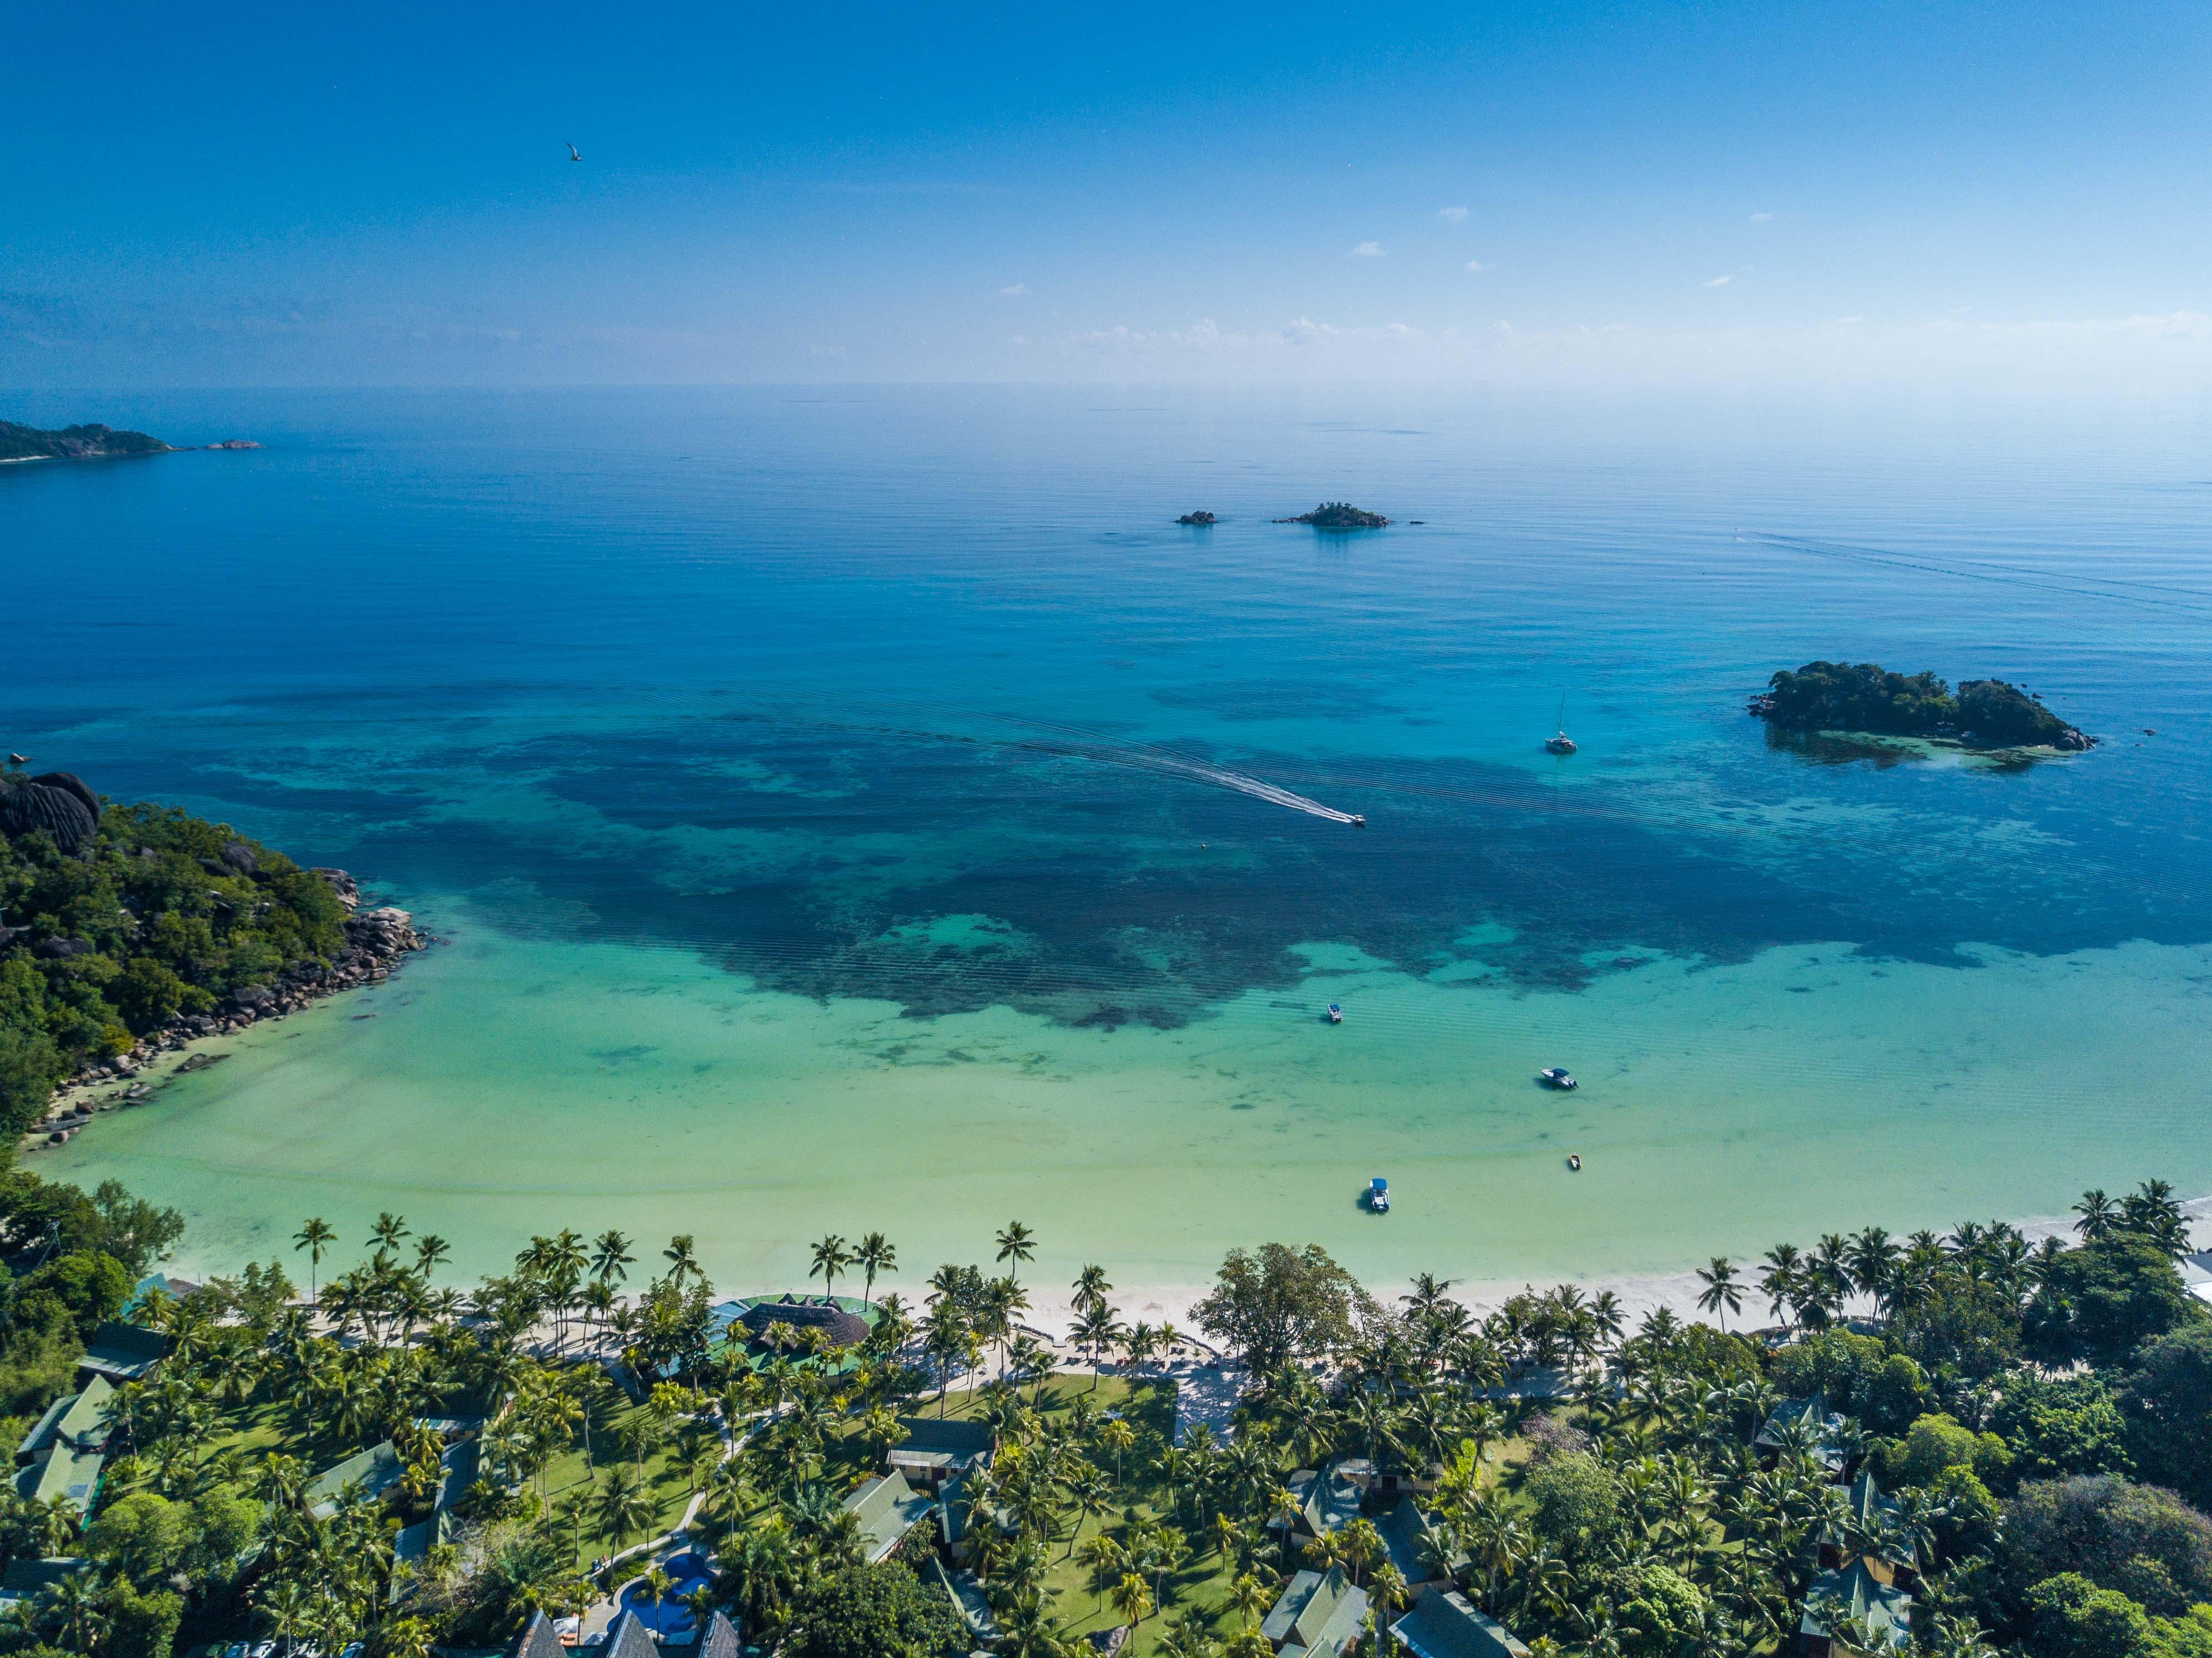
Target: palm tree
[(622, 1507), (2098, 1214), (388, 1231), (1099, 1328), (314, 1237), (1090, 1288), (1119, 1437), (1086, 1489), (1016, 1243), (1250, 1598), (610, 1257), (875, 1254), (1132, 1600), (429, 1250), (1720, 1292), (830, 1258), (682, 1258)]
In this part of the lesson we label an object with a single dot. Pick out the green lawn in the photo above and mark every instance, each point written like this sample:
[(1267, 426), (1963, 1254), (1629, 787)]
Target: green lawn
[(569, 1477)]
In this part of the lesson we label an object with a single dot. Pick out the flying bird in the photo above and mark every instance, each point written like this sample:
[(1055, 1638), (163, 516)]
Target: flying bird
[(572, 156)]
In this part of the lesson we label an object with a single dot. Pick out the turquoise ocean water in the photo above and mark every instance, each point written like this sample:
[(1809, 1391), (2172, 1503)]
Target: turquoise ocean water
[(803, 778)]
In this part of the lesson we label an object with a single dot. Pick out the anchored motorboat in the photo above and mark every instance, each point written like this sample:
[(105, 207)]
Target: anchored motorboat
[(1575, 1160), (1378, 1196), (1552, 1075), (1335, 1014)]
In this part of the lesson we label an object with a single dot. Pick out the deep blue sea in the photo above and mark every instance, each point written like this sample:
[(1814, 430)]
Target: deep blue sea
[(866, 718)]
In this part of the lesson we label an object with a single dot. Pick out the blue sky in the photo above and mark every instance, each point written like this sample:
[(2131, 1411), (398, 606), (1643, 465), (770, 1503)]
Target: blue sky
[(1635, 193)]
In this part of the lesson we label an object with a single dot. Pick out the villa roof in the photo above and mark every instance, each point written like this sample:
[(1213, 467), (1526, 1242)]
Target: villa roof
[(888, 1509), (953, 1435), (67, 1474), (629, 1638), (1815, 1414), (1863, 1501), (1318, 1614), (1332, 1500), (87, 1424), (1885, 1612), (539, 1639), (1404, 1532), (1448, 1624), (720, 1640), (123, 1353), (968, 1595), (42, 1433), (376, 1470), (806, 1313)]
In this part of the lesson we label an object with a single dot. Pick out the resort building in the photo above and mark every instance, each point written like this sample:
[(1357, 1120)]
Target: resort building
[(840, 1325), (1856, 1592), (1327, 1498), (65, 1451), (1318, 1615), (888, 1509), (1868, 1513), (1407, 1536), (374, 1471), (1449, 1626), (936, 1449), (1809, 1419), (123, 1353)]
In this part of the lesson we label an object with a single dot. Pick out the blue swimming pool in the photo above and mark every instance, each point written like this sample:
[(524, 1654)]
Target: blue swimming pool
[(671, 1620)]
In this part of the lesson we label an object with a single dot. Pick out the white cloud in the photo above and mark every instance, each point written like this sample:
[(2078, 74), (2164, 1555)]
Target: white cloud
[(1719, 282), (1475, 264), (1452, 215), (1014, 292), (1366, 250), (1762, 218)]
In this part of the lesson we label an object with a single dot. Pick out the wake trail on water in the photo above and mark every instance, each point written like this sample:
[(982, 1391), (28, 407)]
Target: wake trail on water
[(1166, 762)]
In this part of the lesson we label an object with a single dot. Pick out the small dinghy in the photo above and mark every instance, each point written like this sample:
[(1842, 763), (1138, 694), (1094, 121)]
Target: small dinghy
[(1575, 1160), (1552, 1075), (1335, 1014), (1378, 1196)]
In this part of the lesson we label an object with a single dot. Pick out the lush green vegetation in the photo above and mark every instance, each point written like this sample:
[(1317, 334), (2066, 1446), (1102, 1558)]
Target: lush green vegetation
[(1865, 698), (156, 914), (1338, 516), (73, 442), (2039, 1416)]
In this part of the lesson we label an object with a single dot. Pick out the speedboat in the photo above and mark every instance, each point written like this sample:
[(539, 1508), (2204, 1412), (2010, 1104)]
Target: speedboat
[(1358, 820), (1575, 1160), (1552, 1075), (1335, 1014), (1378, 1196)]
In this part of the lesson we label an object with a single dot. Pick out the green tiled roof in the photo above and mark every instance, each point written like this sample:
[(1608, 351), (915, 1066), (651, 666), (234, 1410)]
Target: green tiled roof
[(1317, 1614), (888, 1509), (1447, 1624), (375, 1470), (1886, 1611), (67, 1474)]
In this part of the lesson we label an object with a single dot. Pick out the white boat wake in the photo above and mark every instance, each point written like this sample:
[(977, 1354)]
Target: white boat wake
[(1172, 762)]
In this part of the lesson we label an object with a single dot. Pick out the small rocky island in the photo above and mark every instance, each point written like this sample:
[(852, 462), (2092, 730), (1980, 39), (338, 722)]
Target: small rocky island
[(126, 930), (1196, 520), (1865, 699), (1338, 516), (92, 442)]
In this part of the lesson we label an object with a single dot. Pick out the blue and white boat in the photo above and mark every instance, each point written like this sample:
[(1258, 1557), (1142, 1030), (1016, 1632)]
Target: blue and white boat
[(1378, 1196), (1335, 1014)]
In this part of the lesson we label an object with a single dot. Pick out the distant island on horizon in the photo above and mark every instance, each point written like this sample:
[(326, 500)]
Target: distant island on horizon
[(91, 441), (1338, 516), (1866, 697)]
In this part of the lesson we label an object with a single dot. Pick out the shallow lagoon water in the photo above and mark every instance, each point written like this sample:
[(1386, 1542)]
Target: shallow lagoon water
[(779, 765)]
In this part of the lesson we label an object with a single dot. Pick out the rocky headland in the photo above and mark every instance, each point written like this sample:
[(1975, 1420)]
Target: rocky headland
[(90, 442), (378, 943)]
